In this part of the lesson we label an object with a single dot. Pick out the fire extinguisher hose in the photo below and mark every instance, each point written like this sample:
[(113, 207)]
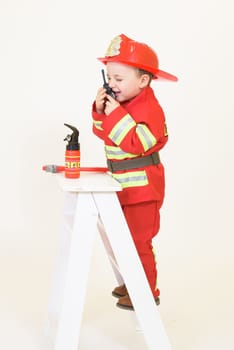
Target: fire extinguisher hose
[(53, 168)]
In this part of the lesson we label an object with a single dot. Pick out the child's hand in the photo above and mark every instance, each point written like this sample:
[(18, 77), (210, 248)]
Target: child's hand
[(100, 100), (110, 104)]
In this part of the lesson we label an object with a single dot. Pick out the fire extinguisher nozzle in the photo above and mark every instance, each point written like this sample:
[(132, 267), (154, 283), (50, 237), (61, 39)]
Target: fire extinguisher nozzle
[(53, 168)]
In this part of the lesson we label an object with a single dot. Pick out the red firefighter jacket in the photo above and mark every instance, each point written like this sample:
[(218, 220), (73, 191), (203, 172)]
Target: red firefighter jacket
[(134, 129)]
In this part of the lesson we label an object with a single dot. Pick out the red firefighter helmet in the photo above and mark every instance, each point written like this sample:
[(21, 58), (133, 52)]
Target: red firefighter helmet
[(125, 50)]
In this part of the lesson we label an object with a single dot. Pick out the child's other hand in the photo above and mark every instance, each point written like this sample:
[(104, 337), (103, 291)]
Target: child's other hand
[(100, 100), (110, 104)]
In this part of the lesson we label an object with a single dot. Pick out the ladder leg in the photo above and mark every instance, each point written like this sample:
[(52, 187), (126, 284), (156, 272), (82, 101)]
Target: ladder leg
[(60, 264), (82, 241), (132, 271)]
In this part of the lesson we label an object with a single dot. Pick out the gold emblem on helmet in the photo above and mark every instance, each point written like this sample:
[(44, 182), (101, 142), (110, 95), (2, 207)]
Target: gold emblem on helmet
[(114, 47)]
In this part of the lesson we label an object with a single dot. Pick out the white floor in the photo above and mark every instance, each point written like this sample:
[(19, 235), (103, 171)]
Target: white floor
[(197, 305)]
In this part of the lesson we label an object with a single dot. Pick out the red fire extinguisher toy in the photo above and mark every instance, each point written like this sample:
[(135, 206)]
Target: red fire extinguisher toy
[(72, 154)]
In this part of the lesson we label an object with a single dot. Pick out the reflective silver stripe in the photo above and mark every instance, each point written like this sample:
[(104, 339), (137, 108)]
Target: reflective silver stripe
[(98, 124), (132, 179), (121, 129), (113, 152), (146, 137)]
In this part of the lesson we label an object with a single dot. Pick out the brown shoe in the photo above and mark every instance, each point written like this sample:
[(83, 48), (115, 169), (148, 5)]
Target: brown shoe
[(125, 302), (120, 291)]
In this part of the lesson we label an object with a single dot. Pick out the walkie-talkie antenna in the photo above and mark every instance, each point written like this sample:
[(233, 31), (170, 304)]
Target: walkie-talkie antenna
[(103, 76)]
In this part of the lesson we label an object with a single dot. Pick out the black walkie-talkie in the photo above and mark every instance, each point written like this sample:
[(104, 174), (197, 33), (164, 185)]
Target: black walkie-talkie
[(109, 91)]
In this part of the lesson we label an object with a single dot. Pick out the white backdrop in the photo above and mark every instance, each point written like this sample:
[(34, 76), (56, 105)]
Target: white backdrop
[(49, 76)]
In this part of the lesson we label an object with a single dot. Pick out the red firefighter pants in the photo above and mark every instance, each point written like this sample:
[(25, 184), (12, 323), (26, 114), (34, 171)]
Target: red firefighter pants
[(143, 220)]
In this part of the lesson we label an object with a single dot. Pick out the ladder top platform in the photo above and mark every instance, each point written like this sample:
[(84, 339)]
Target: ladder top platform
[(89, 182)]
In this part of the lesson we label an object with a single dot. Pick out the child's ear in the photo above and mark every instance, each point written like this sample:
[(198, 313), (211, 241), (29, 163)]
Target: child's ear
[(144, 80)]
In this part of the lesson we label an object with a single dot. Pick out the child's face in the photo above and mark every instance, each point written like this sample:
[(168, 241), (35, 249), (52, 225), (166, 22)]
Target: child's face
[(124, 80)]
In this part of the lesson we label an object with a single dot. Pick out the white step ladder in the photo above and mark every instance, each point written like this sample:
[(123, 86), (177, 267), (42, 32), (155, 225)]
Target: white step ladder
[(91, 205)]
